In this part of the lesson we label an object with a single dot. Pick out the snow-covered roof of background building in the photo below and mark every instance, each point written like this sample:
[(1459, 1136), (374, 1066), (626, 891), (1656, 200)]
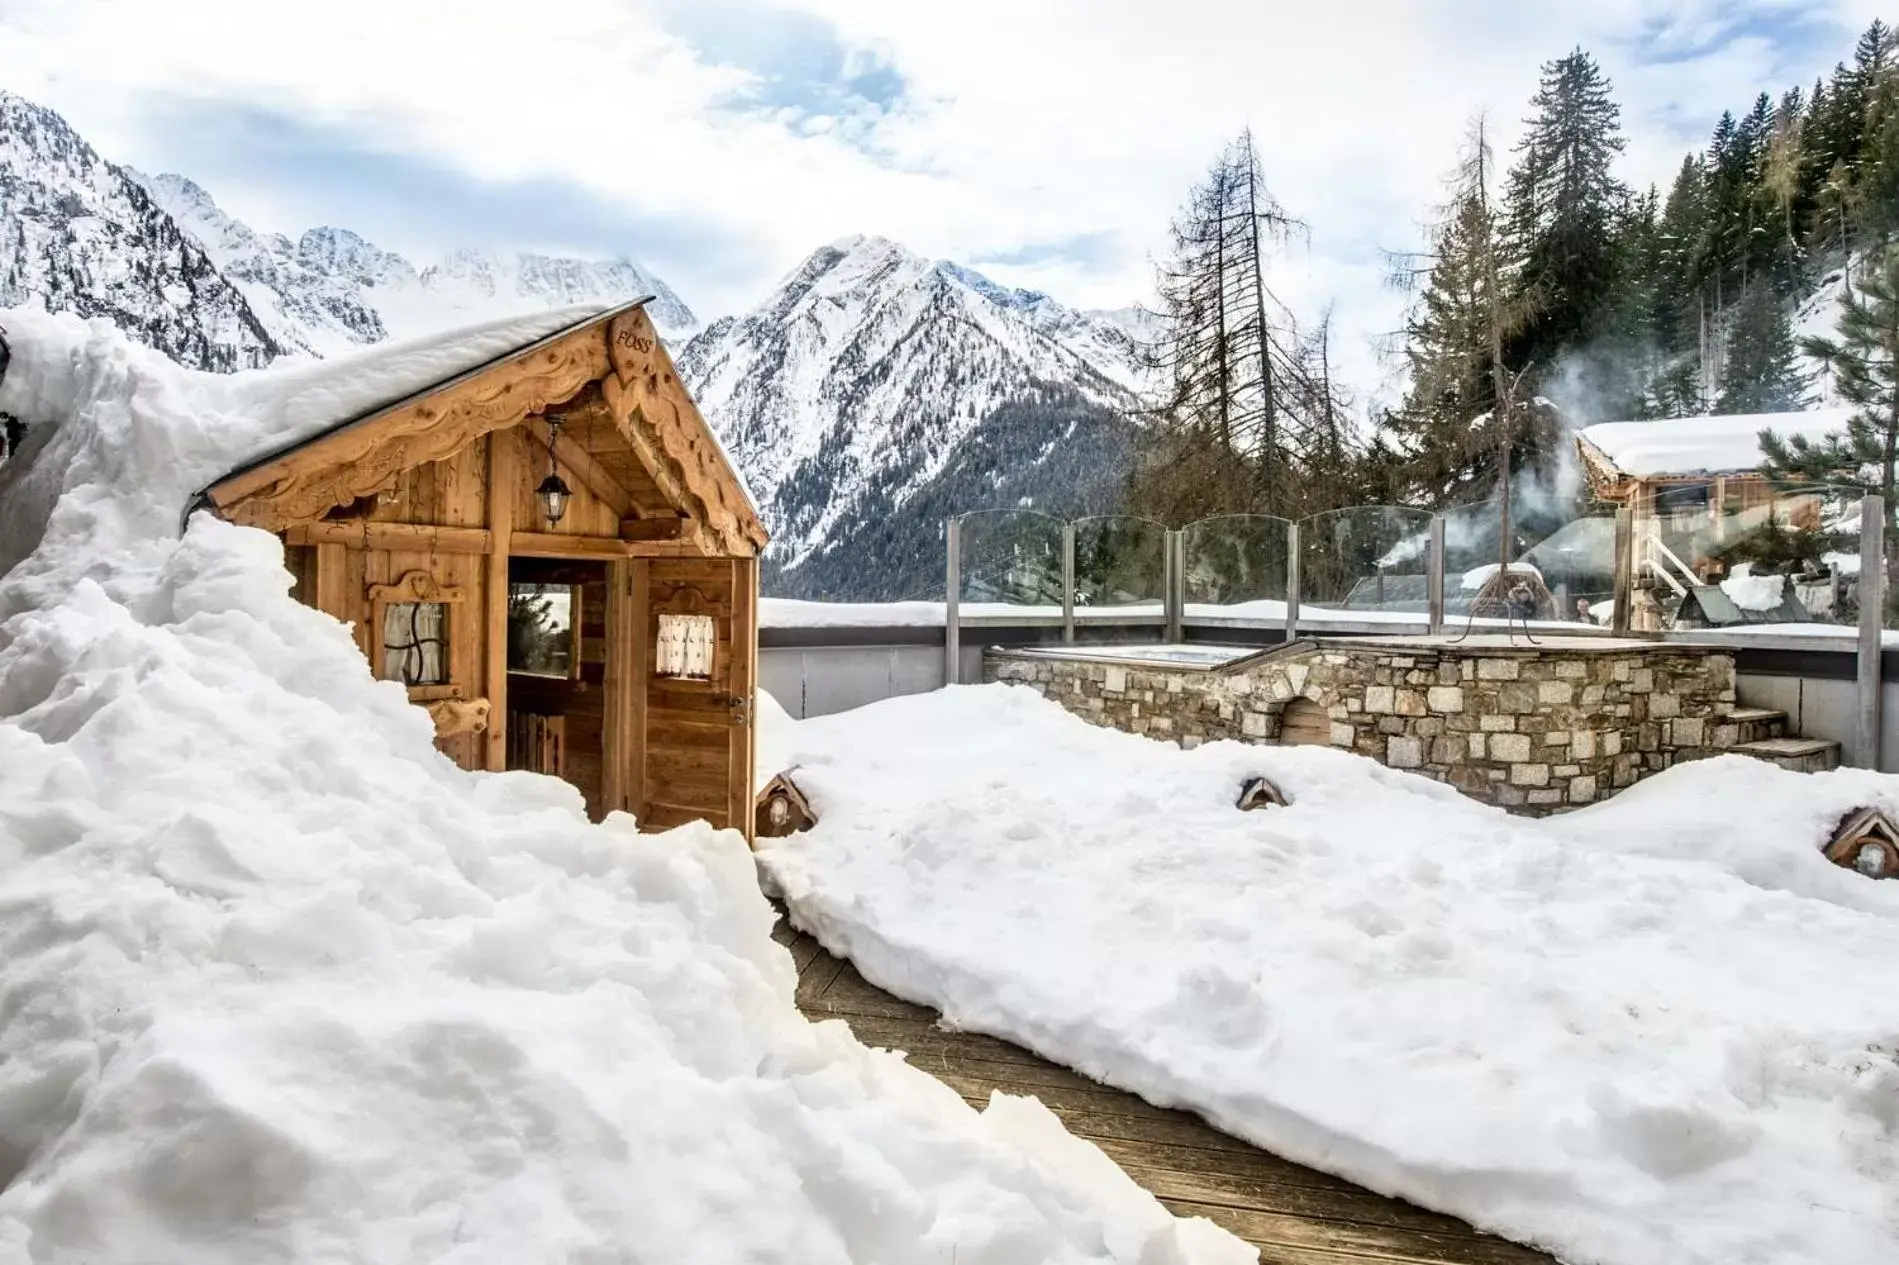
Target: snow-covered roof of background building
[(1703, 445)]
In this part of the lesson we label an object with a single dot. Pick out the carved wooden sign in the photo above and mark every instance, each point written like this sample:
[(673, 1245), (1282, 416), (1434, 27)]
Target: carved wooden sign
[(416, 586)]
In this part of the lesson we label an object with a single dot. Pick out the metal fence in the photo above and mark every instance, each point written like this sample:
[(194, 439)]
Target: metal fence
[(1682, 559)]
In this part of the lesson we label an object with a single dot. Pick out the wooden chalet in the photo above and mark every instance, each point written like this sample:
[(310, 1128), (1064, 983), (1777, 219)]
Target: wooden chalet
[(1696, 491), (552, 554)]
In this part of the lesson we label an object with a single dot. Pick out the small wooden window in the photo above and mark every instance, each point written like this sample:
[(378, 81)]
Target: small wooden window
[(415, 642), (685, 646)]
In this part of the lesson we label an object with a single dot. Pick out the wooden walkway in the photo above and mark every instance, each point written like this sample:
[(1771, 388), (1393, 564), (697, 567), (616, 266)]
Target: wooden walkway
[(1294, 1215)]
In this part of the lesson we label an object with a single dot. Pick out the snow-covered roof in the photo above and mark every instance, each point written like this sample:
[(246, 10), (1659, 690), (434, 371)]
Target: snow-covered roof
[(291, 406), (1703, 445)]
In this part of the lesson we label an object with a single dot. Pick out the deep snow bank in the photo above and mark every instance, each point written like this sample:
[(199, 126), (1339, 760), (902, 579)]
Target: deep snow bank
[(1657, 1032), (278, 982)]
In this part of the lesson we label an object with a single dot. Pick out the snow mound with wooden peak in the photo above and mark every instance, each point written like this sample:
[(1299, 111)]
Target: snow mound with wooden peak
[(1705, 445), (1658, 1031), (278, 982)]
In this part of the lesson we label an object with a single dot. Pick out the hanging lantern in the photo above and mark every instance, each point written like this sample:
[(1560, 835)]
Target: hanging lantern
[(553, 492)]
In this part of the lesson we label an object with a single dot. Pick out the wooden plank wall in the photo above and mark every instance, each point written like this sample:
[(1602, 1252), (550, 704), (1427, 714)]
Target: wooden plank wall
[(689, 741), (668, 751)]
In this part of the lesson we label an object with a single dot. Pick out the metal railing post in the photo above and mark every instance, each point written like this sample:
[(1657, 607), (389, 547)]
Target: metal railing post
[(1068, 584), (953, 580), (1171, 586), (1434, 578), (1623, 595), (1292, 581), (1872, 611)]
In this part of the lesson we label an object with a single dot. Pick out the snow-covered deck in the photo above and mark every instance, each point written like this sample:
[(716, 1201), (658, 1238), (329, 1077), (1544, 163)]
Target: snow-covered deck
[(1291, 1213)]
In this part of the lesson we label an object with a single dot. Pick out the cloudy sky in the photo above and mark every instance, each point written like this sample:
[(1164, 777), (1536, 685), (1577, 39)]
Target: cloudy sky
[(719, 141)]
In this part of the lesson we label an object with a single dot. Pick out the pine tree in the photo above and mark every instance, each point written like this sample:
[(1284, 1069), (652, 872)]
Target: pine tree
[(1563, 201), (1223, 357), (1864, 360), (1762, 369), (1450, 438)]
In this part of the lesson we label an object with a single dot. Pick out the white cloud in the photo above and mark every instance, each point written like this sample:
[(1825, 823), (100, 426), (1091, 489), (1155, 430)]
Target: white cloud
[(1022, 122)]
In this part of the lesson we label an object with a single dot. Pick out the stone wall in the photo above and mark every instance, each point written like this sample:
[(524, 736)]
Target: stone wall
[(1534, 729)]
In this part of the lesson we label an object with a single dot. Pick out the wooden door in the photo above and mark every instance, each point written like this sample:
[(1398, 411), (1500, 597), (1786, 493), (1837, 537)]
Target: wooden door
[(697, 727)]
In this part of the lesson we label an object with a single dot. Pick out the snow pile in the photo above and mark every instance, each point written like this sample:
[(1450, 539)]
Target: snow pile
[(1655, 1032), (1475, 578), (278, 982), (1705, 445), (1753, 592)]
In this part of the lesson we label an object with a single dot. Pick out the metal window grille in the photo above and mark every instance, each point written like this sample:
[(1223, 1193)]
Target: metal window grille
[(415, 643)]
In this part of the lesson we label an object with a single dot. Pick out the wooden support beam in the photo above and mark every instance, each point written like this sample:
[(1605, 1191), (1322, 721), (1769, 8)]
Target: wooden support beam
[(652, 528), (569, 455), (409, 537), (501, 480), (534, 544)]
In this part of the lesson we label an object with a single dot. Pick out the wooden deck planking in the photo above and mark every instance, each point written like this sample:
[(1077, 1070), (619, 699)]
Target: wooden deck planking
[(1294, 1215)]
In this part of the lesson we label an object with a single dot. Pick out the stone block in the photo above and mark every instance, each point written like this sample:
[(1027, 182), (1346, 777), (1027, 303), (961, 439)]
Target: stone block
[(1476, 742), (1447, 674), (1510, 748), (1445, 698), (1593, 695), (1448, 750), (1641, 680), (1498, 669), (1664, 706), (1517, 697), (1529, 775), (1582, 790), (1556, 738), (1279, 687), (1582, 744), (1612, 742), (1467, 670), (1509, 797), (1342, 735), (1392, 725), (1428, 726), (1404, 753), (1161, 724), (1410, 703), (1572, 670), (1566, 770), (1296, 676), (1496, 723), (1688, 731), (1115, 680), (1380, 699), (1555, 693)]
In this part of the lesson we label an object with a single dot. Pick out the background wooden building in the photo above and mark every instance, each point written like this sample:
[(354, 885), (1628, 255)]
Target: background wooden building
[(608, 637)]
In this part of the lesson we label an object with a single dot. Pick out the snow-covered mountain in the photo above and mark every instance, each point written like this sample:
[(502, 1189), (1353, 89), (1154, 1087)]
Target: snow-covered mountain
[(79, 234), (330, 289), (861, 378), (172, 268)]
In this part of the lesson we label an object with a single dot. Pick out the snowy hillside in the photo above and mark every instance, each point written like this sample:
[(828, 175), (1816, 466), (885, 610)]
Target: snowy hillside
[(282, 983), (860, 378), (78, 234), (170, 266), (331, 289)]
